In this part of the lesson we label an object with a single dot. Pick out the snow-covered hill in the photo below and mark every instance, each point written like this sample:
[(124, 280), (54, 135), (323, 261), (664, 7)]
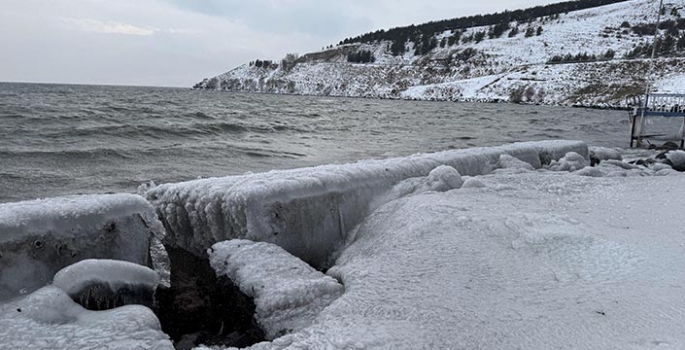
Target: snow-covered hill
[(514, 67)]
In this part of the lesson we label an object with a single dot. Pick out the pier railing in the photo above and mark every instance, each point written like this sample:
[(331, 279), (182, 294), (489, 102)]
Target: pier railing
[(652, 117)]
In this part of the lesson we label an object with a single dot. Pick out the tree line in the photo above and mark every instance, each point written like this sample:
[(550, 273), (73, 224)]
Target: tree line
[(500, 21)]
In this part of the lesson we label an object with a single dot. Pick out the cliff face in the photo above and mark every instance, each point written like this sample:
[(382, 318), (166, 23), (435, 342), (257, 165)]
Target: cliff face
[(592, 57)]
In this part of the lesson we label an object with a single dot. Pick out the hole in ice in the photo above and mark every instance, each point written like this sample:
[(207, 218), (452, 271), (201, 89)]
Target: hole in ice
[(200, 308)]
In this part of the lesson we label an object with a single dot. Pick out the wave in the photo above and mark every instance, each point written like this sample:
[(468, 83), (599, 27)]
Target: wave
[(78, 154)]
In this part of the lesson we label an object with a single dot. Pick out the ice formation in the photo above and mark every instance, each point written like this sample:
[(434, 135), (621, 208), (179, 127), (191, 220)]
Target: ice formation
[(49, 319), (514, 165), (106, 284), (38, 238), (308, 211), (677, 159), (604, 153), (440, 179), (288, 293), (572, 161), (536, 260)]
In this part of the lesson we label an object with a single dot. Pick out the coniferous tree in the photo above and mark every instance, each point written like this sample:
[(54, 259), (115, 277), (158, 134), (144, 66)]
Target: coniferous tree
[(479, 36), (529, 15), (513, 32), (529, 32)]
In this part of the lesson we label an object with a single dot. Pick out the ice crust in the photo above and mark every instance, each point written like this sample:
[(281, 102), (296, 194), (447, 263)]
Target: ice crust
[(535, 260), (570, 162), (308, 211), (38, 238), (287, 292), (49, 319), (114, 273)]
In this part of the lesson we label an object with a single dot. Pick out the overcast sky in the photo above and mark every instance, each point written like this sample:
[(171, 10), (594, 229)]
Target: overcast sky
[(179, 42)]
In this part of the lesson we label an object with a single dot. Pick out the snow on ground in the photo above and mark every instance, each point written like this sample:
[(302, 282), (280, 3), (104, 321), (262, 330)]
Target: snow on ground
[(533, 260), (49, 319), (38, 238), (671, 84), (288, 293)]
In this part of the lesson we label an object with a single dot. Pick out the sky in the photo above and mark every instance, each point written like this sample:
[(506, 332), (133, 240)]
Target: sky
[(180, 42)]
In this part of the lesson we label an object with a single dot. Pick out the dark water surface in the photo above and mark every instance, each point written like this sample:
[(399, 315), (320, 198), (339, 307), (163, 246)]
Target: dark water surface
[(70, 139)]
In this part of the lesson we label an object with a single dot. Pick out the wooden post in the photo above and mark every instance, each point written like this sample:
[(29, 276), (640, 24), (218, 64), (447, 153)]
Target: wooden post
[(632, 129)]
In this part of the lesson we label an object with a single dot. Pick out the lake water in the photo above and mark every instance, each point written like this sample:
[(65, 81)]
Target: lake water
[(73, 139)]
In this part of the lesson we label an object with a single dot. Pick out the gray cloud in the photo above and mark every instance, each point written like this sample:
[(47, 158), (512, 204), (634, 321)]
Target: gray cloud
[(179, 42), (310, 17)]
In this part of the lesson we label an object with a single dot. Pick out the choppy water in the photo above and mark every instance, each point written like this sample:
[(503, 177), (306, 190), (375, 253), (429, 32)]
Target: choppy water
[(66, 139)]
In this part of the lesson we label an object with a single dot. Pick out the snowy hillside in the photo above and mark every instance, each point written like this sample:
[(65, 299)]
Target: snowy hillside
[(595, 56)]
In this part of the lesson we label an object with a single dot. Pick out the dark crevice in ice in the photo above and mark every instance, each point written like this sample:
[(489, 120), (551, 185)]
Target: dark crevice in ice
[(200, 308), (100, 296)]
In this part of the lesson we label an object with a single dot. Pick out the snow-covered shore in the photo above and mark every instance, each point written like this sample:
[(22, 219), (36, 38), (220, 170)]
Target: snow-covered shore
[(533, 260), (515, 68), (519, 246)]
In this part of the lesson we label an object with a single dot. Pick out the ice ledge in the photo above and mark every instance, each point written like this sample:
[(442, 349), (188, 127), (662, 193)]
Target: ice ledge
[(38, 238), (309, 211), (288, 293)]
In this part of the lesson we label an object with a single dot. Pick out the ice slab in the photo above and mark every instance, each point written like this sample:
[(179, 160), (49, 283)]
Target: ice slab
[(38, 238), (309, 211), (104, 284), (49, 319), (288, 293)]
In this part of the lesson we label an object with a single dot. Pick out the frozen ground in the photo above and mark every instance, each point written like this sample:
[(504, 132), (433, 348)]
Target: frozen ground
[(533, 260)]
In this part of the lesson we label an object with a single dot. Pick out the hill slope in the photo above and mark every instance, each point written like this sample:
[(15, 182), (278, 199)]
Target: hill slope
[(591, 57)]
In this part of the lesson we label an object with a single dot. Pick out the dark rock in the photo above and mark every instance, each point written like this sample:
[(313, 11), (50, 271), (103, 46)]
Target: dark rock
[(200, 308), (594, 161), (661, 155), (668, 146)]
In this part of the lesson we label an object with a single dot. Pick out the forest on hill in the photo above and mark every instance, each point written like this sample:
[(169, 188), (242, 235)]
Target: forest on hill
[(423, 35)]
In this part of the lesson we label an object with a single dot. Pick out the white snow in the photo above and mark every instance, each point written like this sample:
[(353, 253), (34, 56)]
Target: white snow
[(49, 319), (536, 260), (288, 293), (308, 211), (115, 273), (38, 238)]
